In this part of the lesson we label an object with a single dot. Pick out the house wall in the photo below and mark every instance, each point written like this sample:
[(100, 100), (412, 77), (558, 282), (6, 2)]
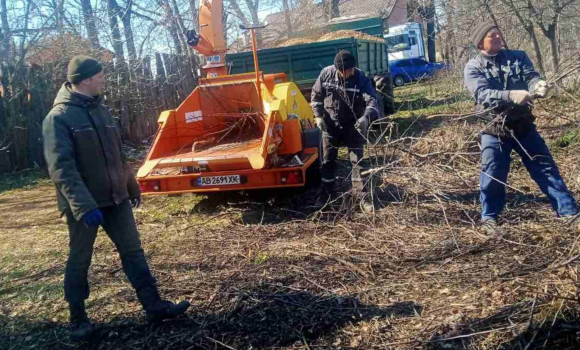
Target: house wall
[(399, 14)]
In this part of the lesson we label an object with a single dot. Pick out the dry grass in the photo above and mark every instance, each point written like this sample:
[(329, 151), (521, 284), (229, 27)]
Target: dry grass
[(266, 271)]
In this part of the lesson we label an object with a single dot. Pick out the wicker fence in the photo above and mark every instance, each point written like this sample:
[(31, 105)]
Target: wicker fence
[(136, 95)]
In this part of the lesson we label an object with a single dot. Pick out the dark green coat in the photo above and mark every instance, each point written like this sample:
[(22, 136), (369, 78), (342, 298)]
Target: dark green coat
[(82, 146)]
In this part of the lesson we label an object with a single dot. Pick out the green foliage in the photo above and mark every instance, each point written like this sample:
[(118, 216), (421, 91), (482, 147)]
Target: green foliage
[(569, 138), (22, 180)]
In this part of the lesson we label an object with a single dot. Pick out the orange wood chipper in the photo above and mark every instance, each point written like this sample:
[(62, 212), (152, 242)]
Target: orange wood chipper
[(233, 132)]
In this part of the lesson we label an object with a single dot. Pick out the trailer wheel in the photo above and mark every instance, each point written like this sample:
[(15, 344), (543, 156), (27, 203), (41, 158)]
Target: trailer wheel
[(313, 173)]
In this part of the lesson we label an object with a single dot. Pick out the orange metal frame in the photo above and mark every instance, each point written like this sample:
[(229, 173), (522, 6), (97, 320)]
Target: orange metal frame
[(254, 179)]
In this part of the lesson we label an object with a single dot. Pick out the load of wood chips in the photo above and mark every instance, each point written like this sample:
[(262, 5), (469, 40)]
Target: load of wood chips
[(339, 34)]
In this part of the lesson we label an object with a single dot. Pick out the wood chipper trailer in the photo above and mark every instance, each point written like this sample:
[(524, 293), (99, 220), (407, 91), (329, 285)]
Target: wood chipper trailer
[(233, 132)]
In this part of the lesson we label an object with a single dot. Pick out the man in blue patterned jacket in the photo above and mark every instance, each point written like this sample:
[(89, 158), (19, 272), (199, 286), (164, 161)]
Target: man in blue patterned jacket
[(504, 83)]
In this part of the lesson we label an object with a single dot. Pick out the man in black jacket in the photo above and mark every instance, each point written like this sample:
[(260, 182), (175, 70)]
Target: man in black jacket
[(95, 187), (344, 104)]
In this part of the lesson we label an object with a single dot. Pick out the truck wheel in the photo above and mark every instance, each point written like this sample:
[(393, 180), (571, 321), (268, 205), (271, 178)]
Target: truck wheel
[(399, 80)]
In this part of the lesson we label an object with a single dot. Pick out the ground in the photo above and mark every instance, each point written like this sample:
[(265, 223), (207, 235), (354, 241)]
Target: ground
[(267, 271)]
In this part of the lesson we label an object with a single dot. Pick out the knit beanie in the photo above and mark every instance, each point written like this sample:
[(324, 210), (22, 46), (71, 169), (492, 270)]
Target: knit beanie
[(81, 68), (480, 31), (344, 60)]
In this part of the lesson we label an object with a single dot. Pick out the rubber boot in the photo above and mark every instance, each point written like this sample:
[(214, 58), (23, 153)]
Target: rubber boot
[(157, 309), (80, 325)]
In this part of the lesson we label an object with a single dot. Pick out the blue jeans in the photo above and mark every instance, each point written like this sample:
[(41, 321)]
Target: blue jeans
[(495, 165)]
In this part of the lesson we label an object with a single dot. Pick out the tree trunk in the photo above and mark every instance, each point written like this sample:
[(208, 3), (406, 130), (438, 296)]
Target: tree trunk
[(113, 11), (334, 10), (5, 38), (254, 7), (554, 46), (194, 10), (287, 18), (430, 11), (89, 18), (450, 47), (173, 26), (128, 31), (181, 27), (537, 49), (60, 16)]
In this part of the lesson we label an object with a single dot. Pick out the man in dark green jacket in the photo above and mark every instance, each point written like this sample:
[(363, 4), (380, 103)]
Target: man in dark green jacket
[(95, 187)]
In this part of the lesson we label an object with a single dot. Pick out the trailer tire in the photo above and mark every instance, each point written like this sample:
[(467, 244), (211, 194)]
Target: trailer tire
[(313, 173)]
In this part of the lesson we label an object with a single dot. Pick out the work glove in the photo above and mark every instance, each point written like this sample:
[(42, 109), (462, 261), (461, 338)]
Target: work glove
[(362, 125), (135, 202), (93, 218), (520, 97), (320, 124), (542, 89)]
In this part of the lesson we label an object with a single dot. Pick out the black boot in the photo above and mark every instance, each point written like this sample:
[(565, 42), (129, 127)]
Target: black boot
[(81, 327), (165, 310), (325, 194), (157, 309)]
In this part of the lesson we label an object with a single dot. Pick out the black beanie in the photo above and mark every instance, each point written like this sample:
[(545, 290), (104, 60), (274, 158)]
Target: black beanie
[(344, 60), (480, 31), (81, 68)]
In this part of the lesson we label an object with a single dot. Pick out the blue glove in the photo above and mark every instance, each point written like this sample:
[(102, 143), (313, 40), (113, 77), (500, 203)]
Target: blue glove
[(93, 218), (135, 202)]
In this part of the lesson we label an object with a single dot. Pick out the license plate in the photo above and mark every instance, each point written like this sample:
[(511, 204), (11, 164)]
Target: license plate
[(218, 180)]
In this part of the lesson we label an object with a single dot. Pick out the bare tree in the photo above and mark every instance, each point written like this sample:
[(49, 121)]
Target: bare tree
[(114, 11), (4, 30), (90, 22)]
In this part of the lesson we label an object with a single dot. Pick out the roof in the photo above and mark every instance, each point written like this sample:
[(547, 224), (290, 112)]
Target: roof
[(308, 17)]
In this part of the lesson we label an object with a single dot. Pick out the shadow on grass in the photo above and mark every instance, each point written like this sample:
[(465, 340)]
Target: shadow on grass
[(264, 316), (512, 323)]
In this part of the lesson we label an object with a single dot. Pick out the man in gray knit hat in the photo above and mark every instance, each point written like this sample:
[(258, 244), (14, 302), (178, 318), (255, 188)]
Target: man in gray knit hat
[(95, 187), (504, 84)]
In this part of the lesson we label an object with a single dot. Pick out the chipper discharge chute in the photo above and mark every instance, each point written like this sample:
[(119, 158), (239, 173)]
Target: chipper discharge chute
[(233, 132)]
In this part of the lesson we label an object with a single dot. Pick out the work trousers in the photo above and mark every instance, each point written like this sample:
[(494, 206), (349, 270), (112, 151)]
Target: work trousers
[(121, 228), (536, 157), (354, 141)]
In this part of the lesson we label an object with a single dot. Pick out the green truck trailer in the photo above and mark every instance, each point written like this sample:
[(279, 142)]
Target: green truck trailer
[(303, 63)]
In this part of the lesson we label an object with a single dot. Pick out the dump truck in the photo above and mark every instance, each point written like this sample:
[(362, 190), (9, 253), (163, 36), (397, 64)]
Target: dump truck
[(302, 63), (234, 131)]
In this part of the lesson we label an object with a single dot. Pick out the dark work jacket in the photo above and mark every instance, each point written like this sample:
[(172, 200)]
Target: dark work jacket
[(82, 147), (342, 103), (489, 79)]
